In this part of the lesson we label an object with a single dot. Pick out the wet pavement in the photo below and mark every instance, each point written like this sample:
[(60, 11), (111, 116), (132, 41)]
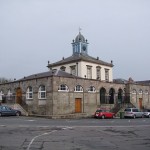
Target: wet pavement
[(83, 134)]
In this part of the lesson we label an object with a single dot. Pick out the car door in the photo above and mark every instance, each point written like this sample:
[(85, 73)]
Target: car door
[(138, 113), (11, 112), (4, 111)]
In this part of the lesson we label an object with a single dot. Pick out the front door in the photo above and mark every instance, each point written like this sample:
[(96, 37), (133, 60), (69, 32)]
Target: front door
[(78, 105), (140, 103), (19, 96)]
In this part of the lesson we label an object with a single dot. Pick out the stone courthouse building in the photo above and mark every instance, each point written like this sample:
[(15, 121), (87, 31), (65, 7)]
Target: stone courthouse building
[(76, 85)]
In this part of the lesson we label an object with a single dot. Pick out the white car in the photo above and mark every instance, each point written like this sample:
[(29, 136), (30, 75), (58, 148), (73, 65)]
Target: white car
[(133, 113)]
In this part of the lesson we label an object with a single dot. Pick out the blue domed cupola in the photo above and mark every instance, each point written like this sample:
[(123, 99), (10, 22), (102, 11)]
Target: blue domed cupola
[(80, 45)]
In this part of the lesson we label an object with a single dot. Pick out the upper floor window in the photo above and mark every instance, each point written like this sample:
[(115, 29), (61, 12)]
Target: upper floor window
[(98, 73), (29, 93), (89, 72), (63, 87), (63, 68), (106, 74), (42, 92), (91, 89), (73, 70), (78, 88)]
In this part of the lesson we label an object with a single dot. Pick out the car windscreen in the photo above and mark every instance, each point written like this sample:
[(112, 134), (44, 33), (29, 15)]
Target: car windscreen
[(127, 109), (98, 110)]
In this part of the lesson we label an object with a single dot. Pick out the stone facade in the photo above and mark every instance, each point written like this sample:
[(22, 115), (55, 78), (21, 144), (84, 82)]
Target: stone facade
[(59, 102), (76, 84)]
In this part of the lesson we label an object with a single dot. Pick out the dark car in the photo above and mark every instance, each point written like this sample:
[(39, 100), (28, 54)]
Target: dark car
[(103, 113), (8, 111)]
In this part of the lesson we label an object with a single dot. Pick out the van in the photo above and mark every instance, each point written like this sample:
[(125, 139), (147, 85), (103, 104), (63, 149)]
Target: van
[(133, 113)]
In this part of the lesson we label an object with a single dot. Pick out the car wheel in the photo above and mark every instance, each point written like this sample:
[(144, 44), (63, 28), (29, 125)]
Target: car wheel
[(149, 116), (113, 116), (0, 114), (134, 117), (103, 117), (17, 114)]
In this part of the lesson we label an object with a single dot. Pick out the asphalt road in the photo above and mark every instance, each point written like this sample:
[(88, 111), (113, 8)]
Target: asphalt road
[(30, 133)]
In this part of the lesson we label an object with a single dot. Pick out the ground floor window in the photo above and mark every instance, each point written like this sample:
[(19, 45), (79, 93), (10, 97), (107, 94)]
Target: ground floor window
[(78, 88), (29, 93), (42, 92), (63, 87)]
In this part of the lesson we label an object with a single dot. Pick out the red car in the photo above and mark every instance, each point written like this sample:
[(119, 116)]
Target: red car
[(103, 113)]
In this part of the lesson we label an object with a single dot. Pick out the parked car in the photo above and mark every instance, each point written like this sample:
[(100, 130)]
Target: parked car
[(133, 113), (103, 113), (8, 111), (147, 113)]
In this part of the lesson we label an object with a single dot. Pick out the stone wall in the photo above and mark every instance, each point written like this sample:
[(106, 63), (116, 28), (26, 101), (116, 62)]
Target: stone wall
[(63, 102)]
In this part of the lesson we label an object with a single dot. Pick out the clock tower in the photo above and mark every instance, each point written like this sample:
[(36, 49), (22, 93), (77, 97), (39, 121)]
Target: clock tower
[(80, 45)]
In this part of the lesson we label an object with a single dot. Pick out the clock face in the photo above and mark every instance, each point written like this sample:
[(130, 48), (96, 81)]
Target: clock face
[(84, 47)]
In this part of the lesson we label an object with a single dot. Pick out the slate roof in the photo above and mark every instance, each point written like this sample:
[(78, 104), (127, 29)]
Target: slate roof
[(50, 73), (120, 80), (146, 82), (77, 58)]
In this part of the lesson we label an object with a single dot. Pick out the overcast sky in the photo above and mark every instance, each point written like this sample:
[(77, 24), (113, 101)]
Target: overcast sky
[(35, 31)]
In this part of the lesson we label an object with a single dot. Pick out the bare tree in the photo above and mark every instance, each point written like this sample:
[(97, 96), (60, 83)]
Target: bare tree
[(4, 80)]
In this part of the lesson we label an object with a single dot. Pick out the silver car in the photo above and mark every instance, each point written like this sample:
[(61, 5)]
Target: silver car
[(133, 113), (147, 113)]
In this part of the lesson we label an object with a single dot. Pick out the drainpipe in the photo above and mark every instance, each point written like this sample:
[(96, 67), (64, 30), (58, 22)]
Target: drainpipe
[(77, 68), (52, 93)]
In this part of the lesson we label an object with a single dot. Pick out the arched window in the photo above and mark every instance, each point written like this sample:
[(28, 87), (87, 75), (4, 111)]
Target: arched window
[(78, 88), (9, 95), (63, 87), (29, 93), (42, 92), (91, 89), (103, 96), (1, 95), (140, 91), (120, 96), (133, 91), (146, 92), (111, 96)]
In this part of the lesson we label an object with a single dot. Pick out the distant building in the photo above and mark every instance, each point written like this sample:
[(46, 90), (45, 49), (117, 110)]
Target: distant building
[(76, 85)]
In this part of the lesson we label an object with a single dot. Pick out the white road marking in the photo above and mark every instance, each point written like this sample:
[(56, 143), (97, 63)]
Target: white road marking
[(46, 133), (111, 126), (24, 126), (2, 125), (43, 126), (30, 120)]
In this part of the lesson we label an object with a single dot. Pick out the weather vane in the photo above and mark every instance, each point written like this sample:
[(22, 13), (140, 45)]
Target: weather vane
[(80, 29)]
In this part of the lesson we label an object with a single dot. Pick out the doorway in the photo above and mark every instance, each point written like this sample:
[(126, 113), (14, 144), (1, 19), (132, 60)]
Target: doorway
[(19, 96), (140, 104), (78, 105)]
